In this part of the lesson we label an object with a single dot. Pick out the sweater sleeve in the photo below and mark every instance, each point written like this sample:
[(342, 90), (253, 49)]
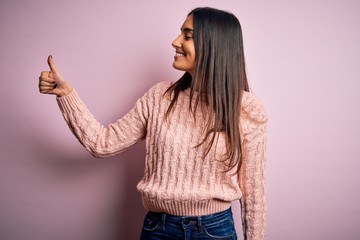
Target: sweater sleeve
[(252, 173), (99, 140)]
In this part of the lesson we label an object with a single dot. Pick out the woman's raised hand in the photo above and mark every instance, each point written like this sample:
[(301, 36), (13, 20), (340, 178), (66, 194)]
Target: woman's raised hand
[(51, 82)]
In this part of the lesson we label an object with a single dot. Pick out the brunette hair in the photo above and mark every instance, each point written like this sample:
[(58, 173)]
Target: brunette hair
[(220, 75)]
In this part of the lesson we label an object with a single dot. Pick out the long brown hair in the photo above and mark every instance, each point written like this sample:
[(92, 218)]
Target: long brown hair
[(220, 75)]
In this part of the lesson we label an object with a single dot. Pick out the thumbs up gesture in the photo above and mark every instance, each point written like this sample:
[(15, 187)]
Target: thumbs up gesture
[(51, 82)]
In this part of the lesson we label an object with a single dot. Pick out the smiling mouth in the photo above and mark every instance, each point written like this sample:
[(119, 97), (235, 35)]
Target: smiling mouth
[(179, 54)]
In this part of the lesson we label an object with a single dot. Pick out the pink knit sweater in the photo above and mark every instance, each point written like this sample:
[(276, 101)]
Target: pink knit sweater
[(177, 179)]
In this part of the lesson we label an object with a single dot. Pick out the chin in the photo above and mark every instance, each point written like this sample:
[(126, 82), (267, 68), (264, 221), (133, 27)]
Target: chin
[(177, 67), (180, 68)]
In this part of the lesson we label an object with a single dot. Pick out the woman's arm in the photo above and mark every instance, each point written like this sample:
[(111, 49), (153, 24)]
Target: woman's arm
[(100, 141), (252, 173)]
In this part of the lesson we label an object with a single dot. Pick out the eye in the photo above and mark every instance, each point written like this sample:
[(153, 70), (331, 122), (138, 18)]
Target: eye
[(188, 37)]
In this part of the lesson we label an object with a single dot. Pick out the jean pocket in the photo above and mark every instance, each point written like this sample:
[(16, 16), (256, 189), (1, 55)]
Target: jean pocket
[(151, 222), (223, 229)]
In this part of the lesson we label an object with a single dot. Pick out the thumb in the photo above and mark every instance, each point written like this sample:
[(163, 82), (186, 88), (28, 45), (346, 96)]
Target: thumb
[(51, 64)]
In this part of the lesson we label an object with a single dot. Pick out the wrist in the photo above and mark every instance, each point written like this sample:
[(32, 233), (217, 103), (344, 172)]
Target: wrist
[(67, 89)]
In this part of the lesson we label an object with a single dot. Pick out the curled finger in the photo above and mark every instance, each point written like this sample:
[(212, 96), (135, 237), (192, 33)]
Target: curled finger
[(46, 77), (45, 89), (47, 83)]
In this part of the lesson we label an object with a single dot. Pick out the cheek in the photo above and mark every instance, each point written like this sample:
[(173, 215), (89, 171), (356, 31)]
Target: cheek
[(192, 54), (190, 49), (193, 58)]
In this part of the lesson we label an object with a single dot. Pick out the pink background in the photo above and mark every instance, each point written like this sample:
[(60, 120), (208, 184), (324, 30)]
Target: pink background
[(303, 62)]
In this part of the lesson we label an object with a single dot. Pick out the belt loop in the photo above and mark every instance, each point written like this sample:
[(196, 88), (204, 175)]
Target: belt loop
[(199, 224), (163, 218)]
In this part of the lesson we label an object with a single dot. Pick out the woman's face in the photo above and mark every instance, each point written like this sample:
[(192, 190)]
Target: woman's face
[(184, 47)]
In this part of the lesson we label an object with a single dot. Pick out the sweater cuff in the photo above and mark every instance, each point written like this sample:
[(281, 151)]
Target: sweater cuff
[(70, 103)]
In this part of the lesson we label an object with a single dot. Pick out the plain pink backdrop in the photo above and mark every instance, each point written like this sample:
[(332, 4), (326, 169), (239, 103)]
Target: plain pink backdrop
[(303, 62)]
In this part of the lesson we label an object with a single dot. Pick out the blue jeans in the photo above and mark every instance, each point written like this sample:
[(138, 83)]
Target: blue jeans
[(162, 226)]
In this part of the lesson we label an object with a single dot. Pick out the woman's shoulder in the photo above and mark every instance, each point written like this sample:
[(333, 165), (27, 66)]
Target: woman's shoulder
[(161, 86), (157, 90), (252, 108)]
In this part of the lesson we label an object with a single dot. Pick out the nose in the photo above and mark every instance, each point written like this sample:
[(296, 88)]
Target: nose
[(176, 43)]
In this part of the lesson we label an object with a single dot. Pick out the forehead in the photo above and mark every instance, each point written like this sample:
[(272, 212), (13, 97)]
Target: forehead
[(188, 23)]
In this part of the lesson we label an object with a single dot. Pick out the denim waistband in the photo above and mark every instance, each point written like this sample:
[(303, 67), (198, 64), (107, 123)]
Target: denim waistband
[(196, 220)]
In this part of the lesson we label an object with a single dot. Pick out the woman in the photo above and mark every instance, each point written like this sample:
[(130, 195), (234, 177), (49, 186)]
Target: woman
[(205, 135)]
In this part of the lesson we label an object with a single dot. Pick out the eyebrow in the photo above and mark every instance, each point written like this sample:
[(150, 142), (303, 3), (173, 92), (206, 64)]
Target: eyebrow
[(187, 30)]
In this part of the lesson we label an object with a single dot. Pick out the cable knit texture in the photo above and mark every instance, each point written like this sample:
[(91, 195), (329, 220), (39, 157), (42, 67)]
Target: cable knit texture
[(178, 179)]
